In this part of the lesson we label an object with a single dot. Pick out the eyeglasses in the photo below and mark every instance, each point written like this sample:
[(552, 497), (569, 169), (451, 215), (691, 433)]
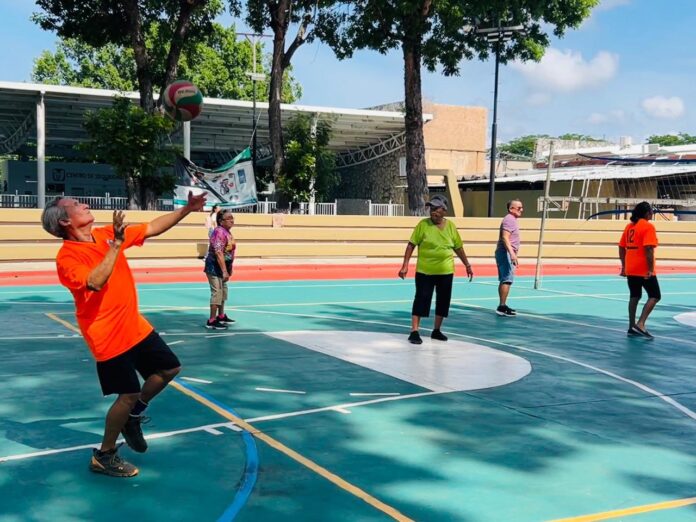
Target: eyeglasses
[(516, 208)]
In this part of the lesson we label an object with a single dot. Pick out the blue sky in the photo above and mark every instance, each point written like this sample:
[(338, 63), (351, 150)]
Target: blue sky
[(629, 70)]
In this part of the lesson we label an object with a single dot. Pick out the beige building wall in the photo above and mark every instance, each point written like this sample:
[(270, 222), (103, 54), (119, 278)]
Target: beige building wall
[(455, 139)]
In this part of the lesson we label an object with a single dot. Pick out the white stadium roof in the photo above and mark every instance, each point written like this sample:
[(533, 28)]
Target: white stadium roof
[(223, 126)]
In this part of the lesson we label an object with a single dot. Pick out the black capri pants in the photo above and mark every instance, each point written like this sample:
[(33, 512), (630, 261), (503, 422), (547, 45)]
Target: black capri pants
[(637, 283), (425, 285)]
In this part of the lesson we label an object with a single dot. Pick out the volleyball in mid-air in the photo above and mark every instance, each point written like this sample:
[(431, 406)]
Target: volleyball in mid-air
[(182, 101)]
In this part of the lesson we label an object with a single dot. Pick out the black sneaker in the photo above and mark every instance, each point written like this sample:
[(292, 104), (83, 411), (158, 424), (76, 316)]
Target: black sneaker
[(110, 463), (511, 311), (505, 311), (133, 433), (415, 338), (632, 332), (215, 324), (438, 335), (225, 320), (644, 333)]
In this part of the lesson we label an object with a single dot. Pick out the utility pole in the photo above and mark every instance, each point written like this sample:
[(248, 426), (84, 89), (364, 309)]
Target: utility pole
[(253, 39), (498, 35)]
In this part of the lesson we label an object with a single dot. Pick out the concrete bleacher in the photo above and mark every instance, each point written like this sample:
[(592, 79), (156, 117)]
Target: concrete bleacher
[(299, 236)]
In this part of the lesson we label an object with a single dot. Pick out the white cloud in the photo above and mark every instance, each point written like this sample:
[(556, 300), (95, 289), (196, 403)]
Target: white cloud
[(537, 99), (568, 71), (597, 118), (663, 107)]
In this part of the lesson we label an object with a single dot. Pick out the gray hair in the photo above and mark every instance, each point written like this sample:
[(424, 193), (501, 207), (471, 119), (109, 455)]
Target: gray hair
[(509, 203), (52, 216)]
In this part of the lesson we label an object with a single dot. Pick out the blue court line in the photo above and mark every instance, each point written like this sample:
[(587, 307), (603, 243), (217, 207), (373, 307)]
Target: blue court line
[(251, 466)]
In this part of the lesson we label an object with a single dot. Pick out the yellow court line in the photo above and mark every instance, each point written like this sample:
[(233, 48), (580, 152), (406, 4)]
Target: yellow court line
[(65, 323), (331, 477), (670, 504)]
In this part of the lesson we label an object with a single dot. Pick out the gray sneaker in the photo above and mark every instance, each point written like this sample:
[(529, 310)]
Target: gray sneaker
[(110, 463)]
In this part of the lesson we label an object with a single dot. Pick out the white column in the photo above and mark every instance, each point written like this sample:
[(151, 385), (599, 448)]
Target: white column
[(41, 151), (187, 140), (312, 190)]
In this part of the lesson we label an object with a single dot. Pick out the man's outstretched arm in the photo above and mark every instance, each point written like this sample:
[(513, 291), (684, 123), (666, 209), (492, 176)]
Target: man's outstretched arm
[(163, 223)]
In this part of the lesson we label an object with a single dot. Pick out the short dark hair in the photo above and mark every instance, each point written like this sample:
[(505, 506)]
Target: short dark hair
[(51, 217), (641, 211)]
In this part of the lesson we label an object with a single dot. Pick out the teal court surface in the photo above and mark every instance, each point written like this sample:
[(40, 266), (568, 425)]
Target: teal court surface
[(314, 407)]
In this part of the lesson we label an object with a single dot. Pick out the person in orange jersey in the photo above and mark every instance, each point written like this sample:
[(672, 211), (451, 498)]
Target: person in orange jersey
[(637, 254), (92, 265)]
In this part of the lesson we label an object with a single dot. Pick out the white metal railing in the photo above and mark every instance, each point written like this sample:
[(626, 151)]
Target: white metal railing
[(386, 209), (95, 202), (325, 209)]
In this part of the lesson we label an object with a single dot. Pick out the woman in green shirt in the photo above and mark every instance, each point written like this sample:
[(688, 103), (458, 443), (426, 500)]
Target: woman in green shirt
[(436, 238)]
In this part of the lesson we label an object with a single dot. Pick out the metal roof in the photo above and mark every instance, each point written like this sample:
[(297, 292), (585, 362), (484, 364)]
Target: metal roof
[(594, 172), (224, 125)]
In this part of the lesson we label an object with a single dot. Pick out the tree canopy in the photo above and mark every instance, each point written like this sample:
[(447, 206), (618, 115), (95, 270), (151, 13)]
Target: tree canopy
[(439, 35), (523, 146), (667, 140), (217, 63)]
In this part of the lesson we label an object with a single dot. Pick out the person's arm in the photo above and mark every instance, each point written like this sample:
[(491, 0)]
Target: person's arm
[(220, 256), (407, 257), (622, 257), (163, 223), (98, 277), (462, 255), (650, 258), (508, 247)]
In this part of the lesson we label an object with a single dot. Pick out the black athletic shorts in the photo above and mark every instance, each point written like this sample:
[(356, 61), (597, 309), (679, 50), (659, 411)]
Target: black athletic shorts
[(637, 283), (118, 375)]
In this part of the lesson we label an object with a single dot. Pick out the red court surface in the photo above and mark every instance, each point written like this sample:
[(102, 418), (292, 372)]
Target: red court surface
[(292, 272)]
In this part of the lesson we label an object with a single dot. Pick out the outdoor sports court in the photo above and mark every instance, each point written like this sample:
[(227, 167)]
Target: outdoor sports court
[(554, 414)]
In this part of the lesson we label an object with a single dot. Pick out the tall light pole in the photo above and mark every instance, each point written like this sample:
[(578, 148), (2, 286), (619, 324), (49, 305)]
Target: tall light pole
[(253, 39), (498, 35)]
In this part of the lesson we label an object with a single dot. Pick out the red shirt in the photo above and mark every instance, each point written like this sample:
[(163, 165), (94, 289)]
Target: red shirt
[(109, 319), (634, 239)]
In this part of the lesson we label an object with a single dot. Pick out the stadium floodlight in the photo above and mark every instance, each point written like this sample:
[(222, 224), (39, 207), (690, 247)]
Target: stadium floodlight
[(497, 35)]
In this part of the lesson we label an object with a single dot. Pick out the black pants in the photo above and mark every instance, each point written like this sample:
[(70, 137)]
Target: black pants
[(637, 283), (425, 284)]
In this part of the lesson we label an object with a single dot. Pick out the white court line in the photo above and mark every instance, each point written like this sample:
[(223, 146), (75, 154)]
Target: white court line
[(228, 425), (172, 343), (613, 375), (193, 379), (274, 390), (374, 394), (341, 410), (213, 431)]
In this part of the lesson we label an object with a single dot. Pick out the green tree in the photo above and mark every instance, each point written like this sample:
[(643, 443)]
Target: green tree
[(667, 140), (133, 142), (217, 64), (439, 35), (522, 146), (122, 23), (309, 163), (309, 16)]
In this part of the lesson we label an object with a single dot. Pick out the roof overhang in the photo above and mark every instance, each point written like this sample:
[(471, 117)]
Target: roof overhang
[(223, 126)]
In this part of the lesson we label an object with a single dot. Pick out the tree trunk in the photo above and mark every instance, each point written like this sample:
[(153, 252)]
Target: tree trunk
[(142, 59), (416, 174), (133, 192), (279, 24)]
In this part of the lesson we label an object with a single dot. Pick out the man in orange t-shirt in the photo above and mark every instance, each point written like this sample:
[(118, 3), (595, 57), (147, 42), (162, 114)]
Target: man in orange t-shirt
[(92, 265), (637, 255)]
